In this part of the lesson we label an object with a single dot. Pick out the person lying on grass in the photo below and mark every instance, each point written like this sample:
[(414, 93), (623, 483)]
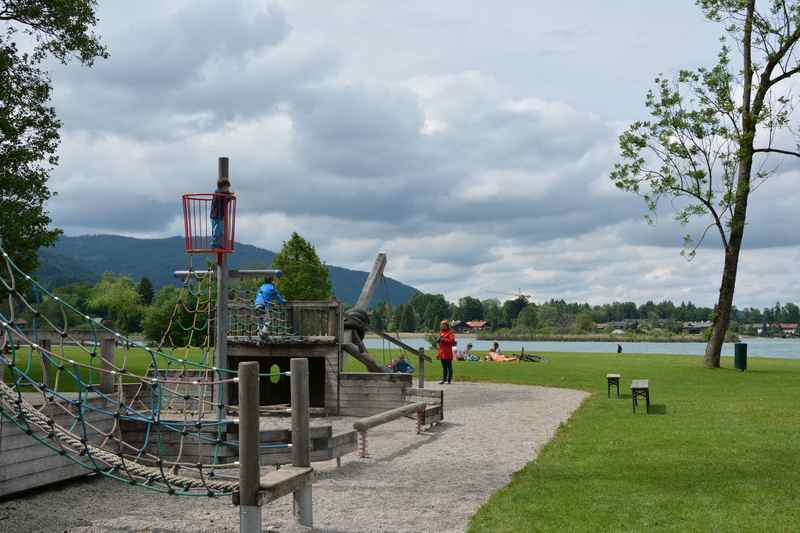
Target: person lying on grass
[(499, 358), (495, 356)]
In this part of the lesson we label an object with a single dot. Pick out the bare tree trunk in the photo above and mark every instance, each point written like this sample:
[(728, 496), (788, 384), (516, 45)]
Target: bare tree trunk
[(722, 311)]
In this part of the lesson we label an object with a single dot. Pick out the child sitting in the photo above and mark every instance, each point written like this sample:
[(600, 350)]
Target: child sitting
[(467, 355), (402, 366)]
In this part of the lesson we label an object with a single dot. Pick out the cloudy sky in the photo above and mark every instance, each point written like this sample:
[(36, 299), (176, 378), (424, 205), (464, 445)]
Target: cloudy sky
[(470, 140)]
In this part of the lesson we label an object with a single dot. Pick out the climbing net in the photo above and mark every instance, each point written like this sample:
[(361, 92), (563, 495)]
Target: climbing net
[(153, 417), (271, 322)]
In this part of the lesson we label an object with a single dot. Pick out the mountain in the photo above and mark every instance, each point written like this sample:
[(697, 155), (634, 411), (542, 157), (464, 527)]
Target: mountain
[(87, 257)]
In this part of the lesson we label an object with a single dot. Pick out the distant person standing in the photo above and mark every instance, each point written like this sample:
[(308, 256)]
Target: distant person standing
[(447, 340), (219, 211), (619, 348)]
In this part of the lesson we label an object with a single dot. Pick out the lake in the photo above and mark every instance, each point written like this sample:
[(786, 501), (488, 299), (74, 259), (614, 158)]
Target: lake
[(756, 347)]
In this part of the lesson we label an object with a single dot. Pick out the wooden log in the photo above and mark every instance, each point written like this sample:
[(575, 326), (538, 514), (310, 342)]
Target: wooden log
[(300, 418), (373, 278), (387, 416), (45, 346), (421, 369), (249, 469), (353, 350), (303, 509), (108, 362)]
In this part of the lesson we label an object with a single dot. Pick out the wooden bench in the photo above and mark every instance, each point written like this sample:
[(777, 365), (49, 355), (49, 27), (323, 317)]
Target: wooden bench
[(613, 381), (640, 388)]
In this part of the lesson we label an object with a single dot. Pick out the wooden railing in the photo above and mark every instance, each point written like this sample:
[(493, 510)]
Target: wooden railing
[(295, 318)]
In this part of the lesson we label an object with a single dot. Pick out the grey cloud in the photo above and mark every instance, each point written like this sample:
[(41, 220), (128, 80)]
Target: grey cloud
[(128, 212)]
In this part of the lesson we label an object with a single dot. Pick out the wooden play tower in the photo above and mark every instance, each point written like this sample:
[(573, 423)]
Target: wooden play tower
[(320, 331)]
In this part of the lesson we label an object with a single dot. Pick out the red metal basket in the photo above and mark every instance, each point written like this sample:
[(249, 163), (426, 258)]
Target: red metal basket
[(209, 223)]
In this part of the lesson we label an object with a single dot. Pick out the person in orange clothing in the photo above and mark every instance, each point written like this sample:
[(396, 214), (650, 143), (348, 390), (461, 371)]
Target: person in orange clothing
[(447, 340)]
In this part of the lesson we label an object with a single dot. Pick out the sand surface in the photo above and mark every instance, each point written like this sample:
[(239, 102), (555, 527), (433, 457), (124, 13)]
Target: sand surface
[(429, 482)]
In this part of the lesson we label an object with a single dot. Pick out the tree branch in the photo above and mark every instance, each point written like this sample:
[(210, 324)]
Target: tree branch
[(776, 150), (710, 207)]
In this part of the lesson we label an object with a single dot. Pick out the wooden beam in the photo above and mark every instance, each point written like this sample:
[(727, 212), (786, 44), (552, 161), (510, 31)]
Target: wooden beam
[(301, 442), (372, 282), (387, 416), (353, 350), (398, 343)]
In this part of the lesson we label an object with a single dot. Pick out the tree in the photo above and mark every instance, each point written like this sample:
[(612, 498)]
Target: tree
[(511, 308), (470, 308), (584, 322), (116, 297), (491, 312), (173, 312), (305, 277), (28, 125), (528, 318), (146, 291), (707, 129), (408, 320)]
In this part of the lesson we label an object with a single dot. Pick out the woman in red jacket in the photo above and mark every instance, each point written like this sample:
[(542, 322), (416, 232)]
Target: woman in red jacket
[(446, 342)]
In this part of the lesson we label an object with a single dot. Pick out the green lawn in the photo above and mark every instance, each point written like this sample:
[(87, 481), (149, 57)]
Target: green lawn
[(135, 360), (722, 454)]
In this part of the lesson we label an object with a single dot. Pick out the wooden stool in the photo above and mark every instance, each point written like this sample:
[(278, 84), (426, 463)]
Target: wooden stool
[(613, 381), (640, 388)]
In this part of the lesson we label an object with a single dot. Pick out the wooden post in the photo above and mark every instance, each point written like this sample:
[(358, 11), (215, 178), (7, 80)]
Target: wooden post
[(421, 374), (45, 346), (249, 468), (372, 281), (301, 444), (108, 362), (221, 324)]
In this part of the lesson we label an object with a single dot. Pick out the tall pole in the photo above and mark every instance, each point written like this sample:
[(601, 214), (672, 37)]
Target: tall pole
[(249, 469), (221, 325)]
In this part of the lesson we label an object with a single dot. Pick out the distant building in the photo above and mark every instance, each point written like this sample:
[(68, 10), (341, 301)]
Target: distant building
[(694, 328), (459, 326), (788, 329)]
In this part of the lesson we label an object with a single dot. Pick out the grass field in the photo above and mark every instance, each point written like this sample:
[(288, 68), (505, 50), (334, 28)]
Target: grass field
[(135, 360), (720, 453)]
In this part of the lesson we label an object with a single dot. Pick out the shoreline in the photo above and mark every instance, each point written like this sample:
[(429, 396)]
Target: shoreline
[(486, 336)]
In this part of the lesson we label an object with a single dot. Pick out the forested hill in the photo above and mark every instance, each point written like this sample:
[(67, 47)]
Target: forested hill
[(87, 257)]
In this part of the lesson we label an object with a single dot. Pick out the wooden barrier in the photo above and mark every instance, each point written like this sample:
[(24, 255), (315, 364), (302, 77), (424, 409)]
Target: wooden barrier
[(387, 416)]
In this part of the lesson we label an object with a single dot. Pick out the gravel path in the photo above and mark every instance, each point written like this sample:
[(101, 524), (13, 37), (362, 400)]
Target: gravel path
[(429, 482)]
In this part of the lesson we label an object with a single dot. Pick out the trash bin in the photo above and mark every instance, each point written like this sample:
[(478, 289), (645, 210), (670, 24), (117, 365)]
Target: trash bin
[(740, 356)]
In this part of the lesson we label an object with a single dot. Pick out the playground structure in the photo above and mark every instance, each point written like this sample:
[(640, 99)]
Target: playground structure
[(181, 426)]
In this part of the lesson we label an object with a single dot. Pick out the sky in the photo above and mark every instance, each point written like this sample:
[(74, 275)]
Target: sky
[(471, 141)]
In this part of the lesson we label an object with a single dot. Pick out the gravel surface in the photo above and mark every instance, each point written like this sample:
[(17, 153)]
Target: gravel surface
[(429, 482)]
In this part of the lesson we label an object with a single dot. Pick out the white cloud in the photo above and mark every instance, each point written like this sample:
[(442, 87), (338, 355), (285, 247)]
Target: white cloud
[(471, 146)]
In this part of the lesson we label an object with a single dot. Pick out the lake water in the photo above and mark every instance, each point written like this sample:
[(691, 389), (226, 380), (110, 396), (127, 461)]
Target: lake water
[(756, 347)]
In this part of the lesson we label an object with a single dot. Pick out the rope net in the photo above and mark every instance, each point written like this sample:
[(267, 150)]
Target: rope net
[(148, 416)]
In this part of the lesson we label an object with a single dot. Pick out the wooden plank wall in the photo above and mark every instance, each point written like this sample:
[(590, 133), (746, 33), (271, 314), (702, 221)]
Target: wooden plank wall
[(26, 464), (366, 394)]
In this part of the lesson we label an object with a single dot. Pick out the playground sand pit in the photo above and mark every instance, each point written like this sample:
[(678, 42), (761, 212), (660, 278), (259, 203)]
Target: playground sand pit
[(429, 482)]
